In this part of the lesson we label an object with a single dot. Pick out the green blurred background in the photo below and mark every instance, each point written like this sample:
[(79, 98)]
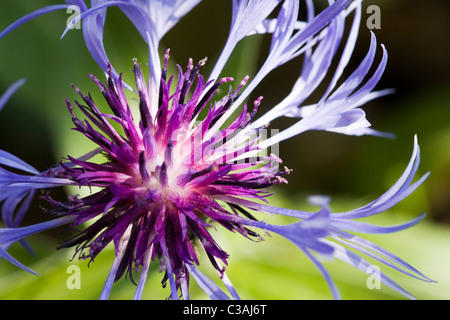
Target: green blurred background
[(35, 126)]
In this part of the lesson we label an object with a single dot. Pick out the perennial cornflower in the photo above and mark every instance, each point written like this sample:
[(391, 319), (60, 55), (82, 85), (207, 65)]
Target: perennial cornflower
[(189, 159)]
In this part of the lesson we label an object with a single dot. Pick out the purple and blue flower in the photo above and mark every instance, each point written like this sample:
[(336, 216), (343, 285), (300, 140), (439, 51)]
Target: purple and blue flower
[(191, 158)]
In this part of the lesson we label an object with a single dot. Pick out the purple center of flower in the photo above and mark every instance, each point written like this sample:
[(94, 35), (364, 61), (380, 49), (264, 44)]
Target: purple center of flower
[(164, 175)]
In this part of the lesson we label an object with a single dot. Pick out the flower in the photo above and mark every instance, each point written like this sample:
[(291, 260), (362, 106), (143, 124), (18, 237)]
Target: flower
[(19, 189), (192, 159)]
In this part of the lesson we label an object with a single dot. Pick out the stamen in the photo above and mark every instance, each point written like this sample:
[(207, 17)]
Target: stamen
[(202, 172), (166, 61), (144, 109), (143, 167), (168, 154), (208, 95), (189, 80), (163, 179)]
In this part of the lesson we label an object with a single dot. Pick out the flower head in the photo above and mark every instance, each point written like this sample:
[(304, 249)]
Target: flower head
[(160, 179), (191, 158)]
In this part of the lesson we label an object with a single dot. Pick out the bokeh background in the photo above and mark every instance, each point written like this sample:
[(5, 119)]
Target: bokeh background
[(35, 126)]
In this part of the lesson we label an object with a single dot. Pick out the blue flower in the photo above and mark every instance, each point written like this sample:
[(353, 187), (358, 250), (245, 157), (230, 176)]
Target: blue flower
[(19, 189), (325, 232), (168, 176), (9, 236)]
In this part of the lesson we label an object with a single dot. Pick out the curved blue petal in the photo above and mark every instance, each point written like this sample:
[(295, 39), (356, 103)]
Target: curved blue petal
[(207, 285), (14, 261), (399, 190), (378, 253), (115, 266), (10, 160), (10, 91), (358, 262), (326, 275), (9, 236), (364, 227), (31, 16)]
